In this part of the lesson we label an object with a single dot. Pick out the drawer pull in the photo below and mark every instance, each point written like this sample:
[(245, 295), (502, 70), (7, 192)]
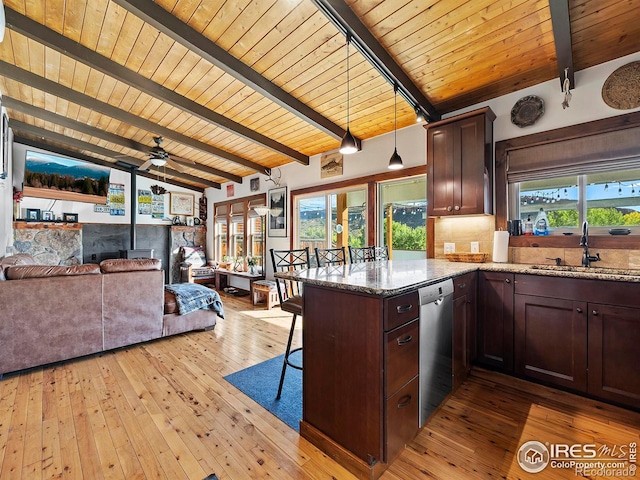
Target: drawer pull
[(404, 341), (404, 401), (404, 308), (462, 285), (579, 310), (507, 280), (595, 313)]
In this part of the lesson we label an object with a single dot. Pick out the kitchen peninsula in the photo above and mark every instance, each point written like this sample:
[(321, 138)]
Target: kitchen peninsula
[(360, 354)]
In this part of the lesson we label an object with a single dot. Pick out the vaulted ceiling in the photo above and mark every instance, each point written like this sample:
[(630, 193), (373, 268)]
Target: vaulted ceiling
[(237, 87)]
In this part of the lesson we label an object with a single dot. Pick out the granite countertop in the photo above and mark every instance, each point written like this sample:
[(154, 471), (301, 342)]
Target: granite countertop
[(386, 278)]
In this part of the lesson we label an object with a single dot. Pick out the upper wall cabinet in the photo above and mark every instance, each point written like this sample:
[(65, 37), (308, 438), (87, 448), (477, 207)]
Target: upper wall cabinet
[(460, 164)]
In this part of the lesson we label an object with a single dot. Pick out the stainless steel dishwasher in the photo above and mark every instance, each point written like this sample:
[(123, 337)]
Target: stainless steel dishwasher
[(436, 346)]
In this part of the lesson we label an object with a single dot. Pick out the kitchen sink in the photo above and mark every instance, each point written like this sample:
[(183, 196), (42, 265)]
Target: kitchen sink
[(595, 270)]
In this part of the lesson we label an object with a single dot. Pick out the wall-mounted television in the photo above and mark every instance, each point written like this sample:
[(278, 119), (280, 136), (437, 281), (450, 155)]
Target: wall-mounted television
[(61, 178)]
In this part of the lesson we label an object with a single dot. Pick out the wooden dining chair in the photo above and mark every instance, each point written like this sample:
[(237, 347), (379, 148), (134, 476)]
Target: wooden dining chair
[(290, 295), (330, 256)]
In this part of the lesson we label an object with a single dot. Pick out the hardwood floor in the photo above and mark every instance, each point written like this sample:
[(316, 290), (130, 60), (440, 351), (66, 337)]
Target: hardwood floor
[(163, 410)]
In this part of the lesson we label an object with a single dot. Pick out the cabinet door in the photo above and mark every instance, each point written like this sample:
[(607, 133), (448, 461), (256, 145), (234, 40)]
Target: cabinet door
[(471, 178), (440, 166), (551, 340), (402, 419), (614, 336), (464, 314), (495, 319)]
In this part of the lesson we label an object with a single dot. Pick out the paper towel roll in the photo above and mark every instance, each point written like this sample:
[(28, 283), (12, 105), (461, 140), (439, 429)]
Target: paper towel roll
[(501, 246)]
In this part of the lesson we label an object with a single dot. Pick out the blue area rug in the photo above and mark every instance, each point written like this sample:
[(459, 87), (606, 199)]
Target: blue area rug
[(260, 382)]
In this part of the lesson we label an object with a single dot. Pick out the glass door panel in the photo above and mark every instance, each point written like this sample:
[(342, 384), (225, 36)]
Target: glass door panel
[(403, 217)]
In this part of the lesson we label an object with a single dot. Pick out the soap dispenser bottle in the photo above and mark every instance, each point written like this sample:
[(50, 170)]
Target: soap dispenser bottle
[(528, 226), (542, 223)]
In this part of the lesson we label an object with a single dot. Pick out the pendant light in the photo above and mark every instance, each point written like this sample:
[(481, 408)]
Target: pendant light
[(395, 162), (349, 144)]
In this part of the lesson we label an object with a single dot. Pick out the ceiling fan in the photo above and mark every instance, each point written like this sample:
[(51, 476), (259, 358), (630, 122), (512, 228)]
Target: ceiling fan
[(159, 157)]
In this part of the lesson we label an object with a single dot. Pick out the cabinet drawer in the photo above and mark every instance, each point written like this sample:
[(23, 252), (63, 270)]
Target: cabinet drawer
[(401, 309), (402, 418), (402, 356)]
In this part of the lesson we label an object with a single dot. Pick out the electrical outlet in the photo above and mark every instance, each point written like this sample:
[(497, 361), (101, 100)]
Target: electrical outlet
[(449, 248), (475, 247)]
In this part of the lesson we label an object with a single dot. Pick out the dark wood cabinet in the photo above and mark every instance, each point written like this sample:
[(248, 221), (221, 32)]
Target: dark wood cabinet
[(581, 334), (495, 320), (464, 325), (614, 337), (360, 382), (460, 164), (550, 340)]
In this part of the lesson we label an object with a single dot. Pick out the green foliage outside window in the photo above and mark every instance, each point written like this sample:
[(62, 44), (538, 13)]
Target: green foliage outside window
[(602, 217), (406, 237)]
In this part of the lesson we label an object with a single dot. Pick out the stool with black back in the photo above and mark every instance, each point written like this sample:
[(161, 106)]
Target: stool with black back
[(290, 294)]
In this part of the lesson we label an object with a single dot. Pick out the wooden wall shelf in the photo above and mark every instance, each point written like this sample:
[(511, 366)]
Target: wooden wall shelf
[(24, 225)]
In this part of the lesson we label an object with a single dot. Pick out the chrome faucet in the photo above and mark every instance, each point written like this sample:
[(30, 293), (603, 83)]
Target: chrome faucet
[(584, 243)]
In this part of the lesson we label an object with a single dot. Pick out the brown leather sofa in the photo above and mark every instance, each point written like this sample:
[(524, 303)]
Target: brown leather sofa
[(53, 313)]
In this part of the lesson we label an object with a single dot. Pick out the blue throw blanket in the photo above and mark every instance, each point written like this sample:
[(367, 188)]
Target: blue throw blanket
[(193, 296)]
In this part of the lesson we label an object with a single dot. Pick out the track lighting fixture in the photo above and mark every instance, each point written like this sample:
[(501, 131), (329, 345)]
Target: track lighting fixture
[(349, 143), (420, 115), (395, 162)]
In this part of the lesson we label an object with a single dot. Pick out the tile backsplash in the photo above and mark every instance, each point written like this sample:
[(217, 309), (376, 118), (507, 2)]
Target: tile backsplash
[(464, 230)]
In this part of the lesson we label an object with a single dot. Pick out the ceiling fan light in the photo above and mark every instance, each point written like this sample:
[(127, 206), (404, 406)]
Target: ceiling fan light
[(349, 144), (159, 162), (395, 163)]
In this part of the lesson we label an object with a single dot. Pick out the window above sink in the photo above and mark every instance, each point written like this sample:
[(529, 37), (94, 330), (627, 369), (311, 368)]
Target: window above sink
[(608, 200)]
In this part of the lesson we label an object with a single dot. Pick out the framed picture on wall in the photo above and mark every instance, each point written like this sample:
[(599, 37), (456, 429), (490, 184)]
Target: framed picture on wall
[(277, 202), (33, 214), (181, 203), (70, 217)]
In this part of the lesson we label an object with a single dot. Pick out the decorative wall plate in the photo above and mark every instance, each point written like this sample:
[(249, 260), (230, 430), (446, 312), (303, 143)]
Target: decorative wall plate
[(527, 111), (621, 89)]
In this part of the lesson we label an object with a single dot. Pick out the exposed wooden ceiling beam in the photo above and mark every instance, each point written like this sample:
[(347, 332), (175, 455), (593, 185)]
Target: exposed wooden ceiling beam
[(66, 46), (87, 158), (174, 28), (339, 13), (561, 25), (36, 81), (47, 116), (72, 142)]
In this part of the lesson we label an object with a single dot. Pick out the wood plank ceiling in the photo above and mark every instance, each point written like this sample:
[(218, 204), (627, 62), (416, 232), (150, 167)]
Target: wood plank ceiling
[(101, 78)]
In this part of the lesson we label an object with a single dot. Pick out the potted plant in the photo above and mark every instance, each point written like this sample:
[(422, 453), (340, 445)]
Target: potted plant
[(252, 262)]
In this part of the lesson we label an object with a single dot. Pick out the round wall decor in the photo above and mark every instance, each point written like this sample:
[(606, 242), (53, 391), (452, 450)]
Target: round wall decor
[(621, 89), (527, 111)]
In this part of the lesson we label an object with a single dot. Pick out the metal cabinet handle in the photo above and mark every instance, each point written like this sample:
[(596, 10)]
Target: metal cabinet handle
[(404, 341), (506, 280), (457, 207), (462, 285), (595, 313), (404, 401), (579, 310), (404, 308), (449, 208)]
